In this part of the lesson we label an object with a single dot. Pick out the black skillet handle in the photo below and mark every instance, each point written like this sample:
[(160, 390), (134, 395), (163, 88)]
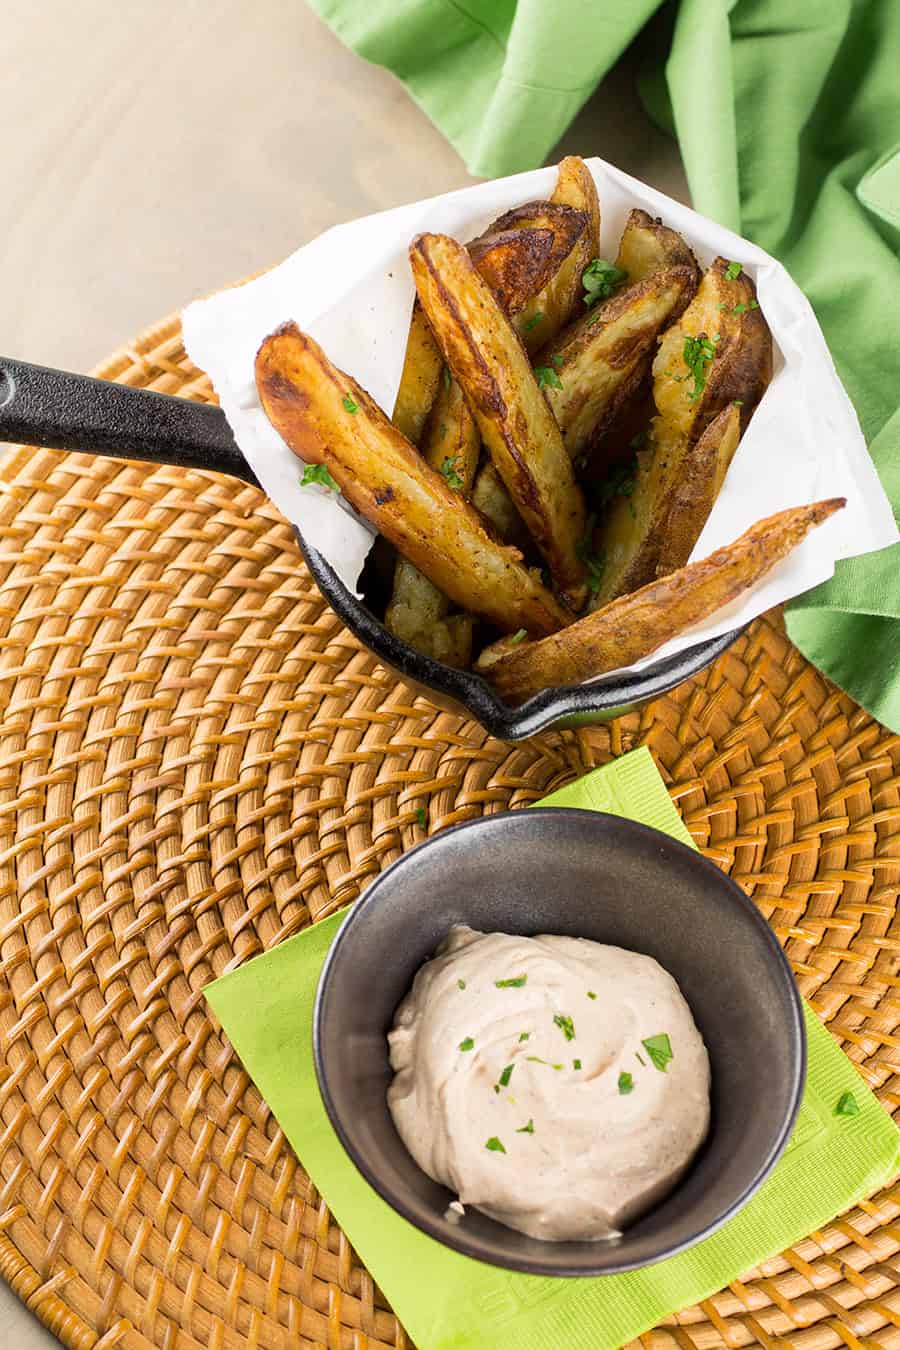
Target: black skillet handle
[(63, 411)]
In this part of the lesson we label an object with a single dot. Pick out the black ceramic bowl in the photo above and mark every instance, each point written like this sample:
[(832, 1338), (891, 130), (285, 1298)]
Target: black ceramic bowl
[(586, 875), (462, 691)]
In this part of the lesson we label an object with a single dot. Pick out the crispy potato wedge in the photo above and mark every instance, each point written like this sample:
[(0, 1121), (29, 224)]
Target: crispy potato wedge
[(559, 300), (417, 608), (725, 312), (419, 379), (601, 359), (649, 246), (636, 625), (732, 364), (692, 497), (575, 187), (520, 432), (316, 407)]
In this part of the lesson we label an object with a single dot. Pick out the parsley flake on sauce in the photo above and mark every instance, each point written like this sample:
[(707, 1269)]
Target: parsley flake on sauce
[(591, 994), (467, 1044), (576, 1063), (460, 984), (526, 1129), (506, 1075), (659, 1048), (626, 1084), (515, 983), (525, 1036), (493, 1145), (566, 1025)]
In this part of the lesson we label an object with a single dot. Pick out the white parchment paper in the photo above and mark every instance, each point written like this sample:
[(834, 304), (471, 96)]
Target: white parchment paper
[(352, 290)]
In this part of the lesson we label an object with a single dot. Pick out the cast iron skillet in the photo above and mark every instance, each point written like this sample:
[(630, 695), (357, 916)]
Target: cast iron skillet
[(64, 411)]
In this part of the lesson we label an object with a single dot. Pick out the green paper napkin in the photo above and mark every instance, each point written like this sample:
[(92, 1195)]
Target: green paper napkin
[(788, 120), (449, 1302)]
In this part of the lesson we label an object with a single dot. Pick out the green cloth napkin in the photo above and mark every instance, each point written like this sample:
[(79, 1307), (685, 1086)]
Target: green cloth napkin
[(788, 120), (449, 1302)]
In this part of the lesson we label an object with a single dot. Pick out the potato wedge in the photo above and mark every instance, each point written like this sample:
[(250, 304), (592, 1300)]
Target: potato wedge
[(636, 625), (419, 379), (649, 246), (318, 408), (692, 497), (735, 366), (730, 350), (520, 432), (417, 608), (575, 187), (490, 497), (602, 358), (559, 300)]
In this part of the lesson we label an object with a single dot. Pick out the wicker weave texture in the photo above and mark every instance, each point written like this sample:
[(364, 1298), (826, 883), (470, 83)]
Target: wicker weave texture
[(196, 760)]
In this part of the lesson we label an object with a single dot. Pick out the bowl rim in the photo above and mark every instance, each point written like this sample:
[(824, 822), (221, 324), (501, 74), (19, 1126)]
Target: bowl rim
[(609, 694), (460, 1242)]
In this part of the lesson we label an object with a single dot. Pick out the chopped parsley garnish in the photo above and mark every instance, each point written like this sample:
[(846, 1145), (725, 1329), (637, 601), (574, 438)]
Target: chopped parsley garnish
[(421, 818), (515, 983), (626, 1084), (732, 271), (317, 473), (536, 1059), (494, 1146), (448, 470), (594, 563), (467, 1044), (556, 361), (740, 308), (350, 403), (847, 1105), (591, 994), (753, 304), (566, 1025), (447, 377), (518, 637), (599, 279), (737, 403), (525, 1036), (506, 1075), (697, 354), (576, 1063), (659, 1048), (547, 375), (533, 322), (460, 984), (620, 482), (640, 1059), (526, 1129)]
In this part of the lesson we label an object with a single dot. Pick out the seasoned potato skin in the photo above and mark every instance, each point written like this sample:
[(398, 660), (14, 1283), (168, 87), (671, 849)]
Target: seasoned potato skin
[(695, 492), (417, 609), (649, 246), (485, 355), (634, 533), (636, 625), (377, 470), (603, 357), (419, 379), (560, 299)]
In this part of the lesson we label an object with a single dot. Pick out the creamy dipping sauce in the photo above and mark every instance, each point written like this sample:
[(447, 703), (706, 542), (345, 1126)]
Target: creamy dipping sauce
[(556, 1084)]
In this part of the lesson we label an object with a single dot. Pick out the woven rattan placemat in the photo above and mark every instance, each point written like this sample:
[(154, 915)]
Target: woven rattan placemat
[(195, 761)]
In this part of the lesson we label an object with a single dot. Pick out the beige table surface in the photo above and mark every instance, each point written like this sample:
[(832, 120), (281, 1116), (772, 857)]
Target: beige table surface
[(154, 152)]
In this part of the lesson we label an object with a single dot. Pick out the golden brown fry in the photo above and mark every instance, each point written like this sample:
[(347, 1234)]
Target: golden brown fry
[(422, 366), (636, 625), (315, 406), (692, 498), (601, 360), (518, 260), (417, 608), (575, 187), (521, 434), (558, 301), (491, 498), (730, 350), (648, 246)]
